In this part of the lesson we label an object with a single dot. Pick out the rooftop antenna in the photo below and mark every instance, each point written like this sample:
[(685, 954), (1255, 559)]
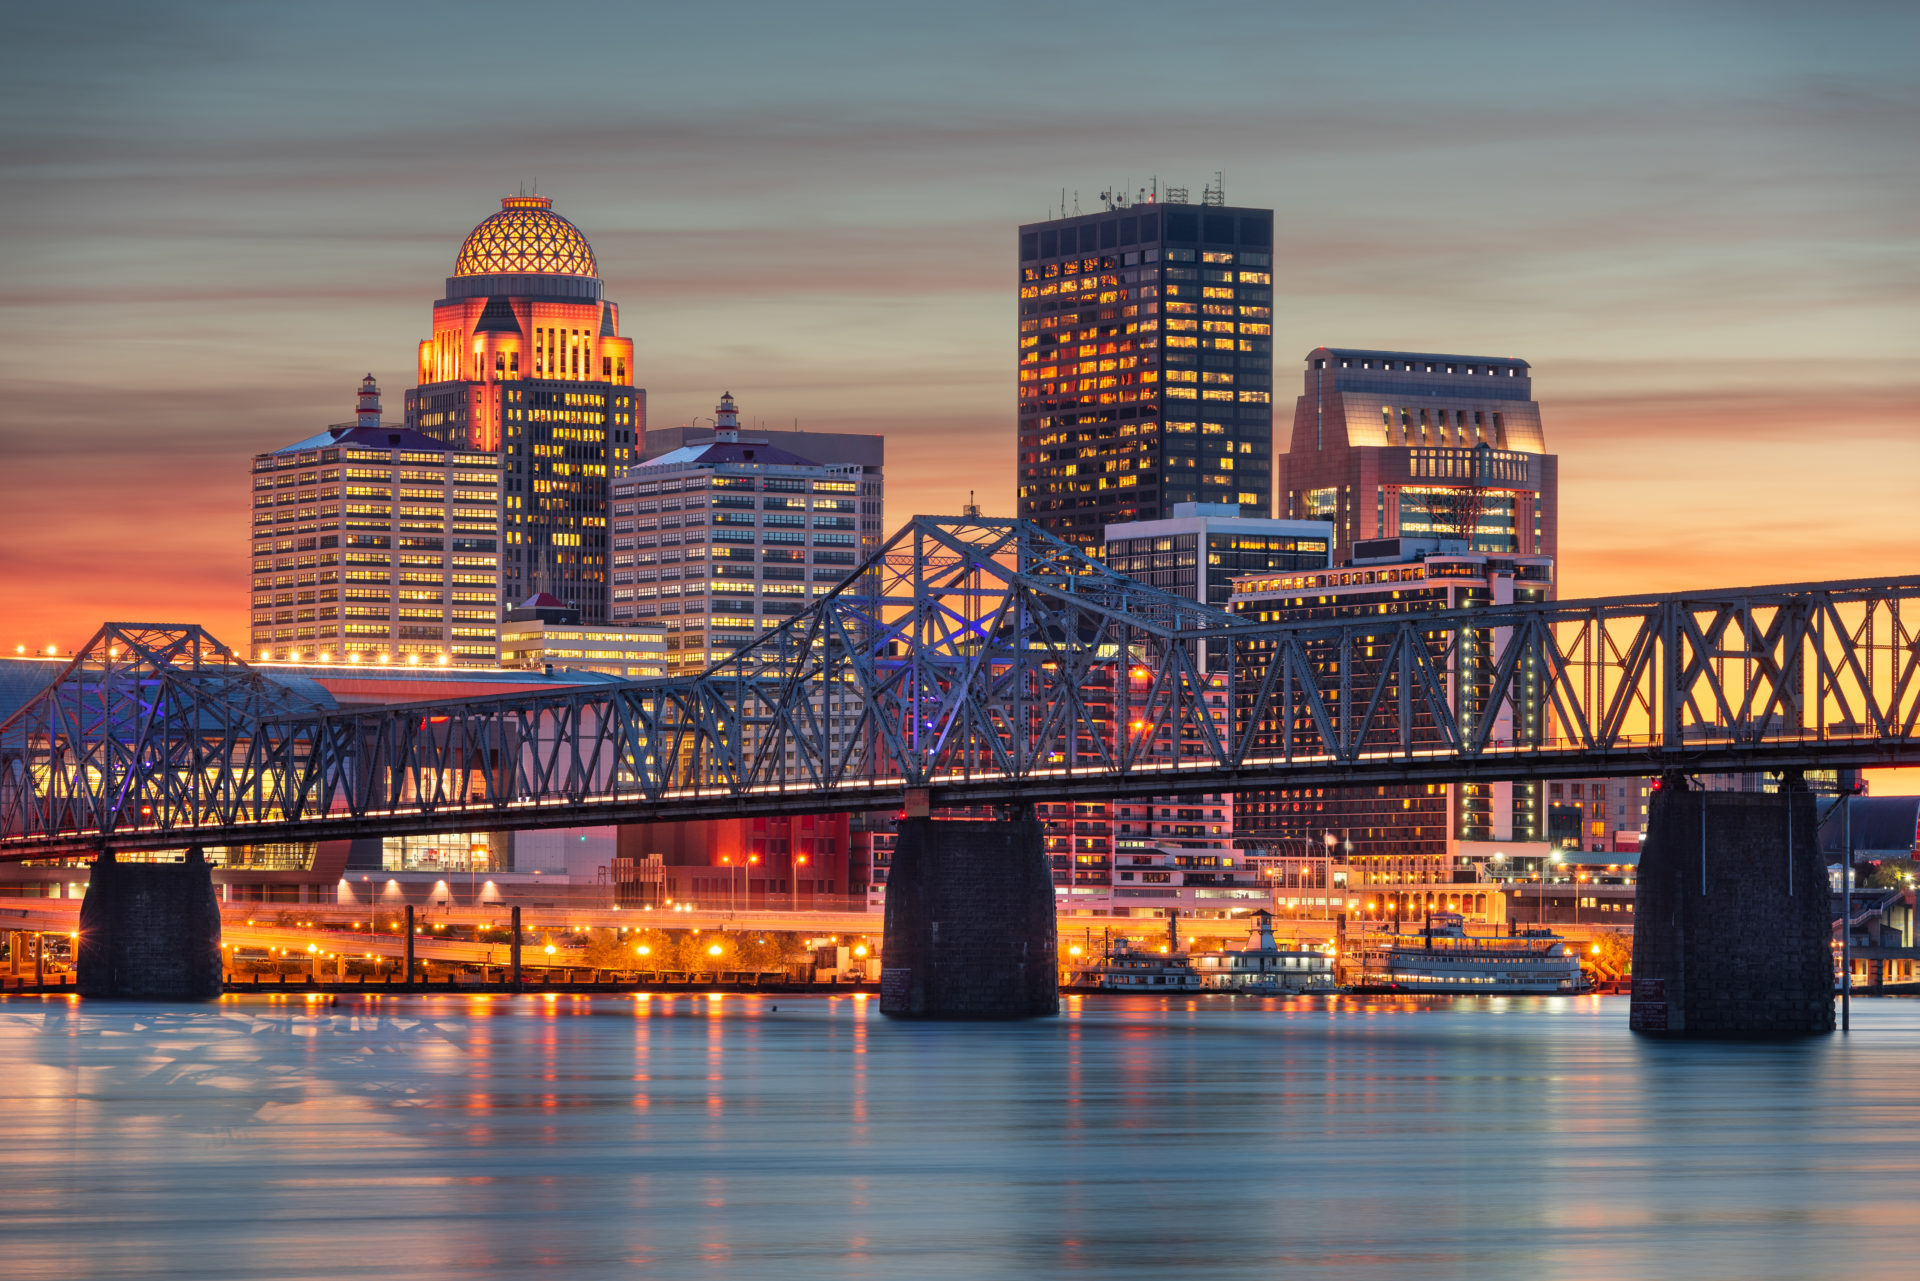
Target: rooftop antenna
[(1076, 204)]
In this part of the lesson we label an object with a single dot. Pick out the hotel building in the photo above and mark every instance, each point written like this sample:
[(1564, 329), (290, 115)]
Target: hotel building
[(1405, 844), (373, 542), (716, 542), (526, 361), (1391, 443), (1145, 364)]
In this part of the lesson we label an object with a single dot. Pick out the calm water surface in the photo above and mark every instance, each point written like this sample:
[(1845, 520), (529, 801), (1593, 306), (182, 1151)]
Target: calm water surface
[(452, 1137)]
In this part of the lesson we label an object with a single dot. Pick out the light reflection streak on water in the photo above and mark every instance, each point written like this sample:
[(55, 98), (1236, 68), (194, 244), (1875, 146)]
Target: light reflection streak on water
[(472, 1137)]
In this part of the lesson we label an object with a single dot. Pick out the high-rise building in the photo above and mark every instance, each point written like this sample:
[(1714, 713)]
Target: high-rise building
[(1387, 443), (1199, 549), (372, 541), (1146, 364), (1405, 843), (526, 361), (834, 448), (720, 541)]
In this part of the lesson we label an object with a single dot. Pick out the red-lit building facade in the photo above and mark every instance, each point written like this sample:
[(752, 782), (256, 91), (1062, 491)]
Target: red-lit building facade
[(780, 862)]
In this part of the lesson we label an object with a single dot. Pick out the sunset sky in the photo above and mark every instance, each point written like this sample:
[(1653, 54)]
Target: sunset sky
[(1696, 221)]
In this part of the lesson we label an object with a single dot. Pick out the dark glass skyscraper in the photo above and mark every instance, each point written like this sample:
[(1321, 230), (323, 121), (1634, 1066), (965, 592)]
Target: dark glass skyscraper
[(1146, 365)]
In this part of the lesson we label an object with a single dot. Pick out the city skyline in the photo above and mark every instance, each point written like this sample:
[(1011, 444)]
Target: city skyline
[(188, 286)]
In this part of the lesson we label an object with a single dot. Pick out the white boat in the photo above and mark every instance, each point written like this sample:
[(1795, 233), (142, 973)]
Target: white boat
[(1263, 967), (1444, 959)]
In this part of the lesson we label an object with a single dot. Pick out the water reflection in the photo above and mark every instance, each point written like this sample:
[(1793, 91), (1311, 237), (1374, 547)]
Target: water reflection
[(468, 1137)]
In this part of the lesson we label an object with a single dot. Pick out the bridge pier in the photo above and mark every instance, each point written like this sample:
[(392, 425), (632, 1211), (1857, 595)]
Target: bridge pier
[(150, 930), (1733, 922), (970, 922)]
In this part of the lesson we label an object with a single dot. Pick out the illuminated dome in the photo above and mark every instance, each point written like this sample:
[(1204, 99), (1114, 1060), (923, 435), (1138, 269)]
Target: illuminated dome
[(525, 238)]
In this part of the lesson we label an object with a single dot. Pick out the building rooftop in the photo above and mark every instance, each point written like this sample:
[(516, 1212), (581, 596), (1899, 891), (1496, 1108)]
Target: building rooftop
[(1417, 357), (385, 436), (721, 452)]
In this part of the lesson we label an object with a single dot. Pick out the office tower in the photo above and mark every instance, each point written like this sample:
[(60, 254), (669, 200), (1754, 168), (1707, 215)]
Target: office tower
[(720, 541), (1387, 443), (526, 361), (834, 448), (1405, 843), (543, 634), (374, 542), (1146, 364)]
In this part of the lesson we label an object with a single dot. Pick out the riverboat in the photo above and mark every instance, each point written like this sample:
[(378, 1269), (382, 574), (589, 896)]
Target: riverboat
[(1126, 968), (1443, 959), (1264, 968)]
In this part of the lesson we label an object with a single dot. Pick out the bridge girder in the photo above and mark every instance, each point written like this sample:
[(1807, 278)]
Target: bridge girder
[(983, 661)]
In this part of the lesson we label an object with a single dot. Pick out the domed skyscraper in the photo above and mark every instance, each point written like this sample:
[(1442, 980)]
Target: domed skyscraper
[(526, 361)]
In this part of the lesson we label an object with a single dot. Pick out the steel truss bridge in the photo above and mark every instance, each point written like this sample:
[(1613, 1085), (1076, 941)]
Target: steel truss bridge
[(974, 662)]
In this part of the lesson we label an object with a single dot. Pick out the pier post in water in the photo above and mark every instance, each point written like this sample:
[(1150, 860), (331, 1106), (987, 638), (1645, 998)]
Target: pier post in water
[(150, 930), (1733, 920), (970, 922)]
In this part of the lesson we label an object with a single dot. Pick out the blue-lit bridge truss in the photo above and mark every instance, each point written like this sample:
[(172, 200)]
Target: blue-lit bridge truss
[(974, 661)]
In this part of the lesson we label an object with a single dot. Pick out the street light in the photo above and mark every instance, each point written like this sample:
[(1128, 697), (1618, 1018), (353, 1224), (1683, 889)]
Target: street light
[(1556, 858)]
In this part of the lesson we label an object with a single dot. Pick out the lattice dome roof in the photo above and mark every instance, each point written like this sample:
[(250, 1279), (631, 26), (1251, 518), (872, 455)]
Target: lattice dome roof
[(525, 236)]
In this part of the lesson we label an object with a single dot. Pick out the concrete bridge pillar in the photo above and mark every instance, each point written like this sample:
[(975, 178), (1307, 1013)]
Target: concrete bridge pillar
[(150, 930), (970, 922), (1733, 921)]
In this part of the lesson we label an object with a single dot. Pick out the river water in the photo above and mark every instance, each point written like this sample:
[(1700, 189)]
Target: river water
[(767, 1137)]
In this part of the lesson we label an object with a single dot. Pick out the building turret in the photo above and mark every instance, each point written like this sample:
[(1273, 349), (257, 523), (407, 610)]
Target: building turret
[(368, 412), (726, 418)]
